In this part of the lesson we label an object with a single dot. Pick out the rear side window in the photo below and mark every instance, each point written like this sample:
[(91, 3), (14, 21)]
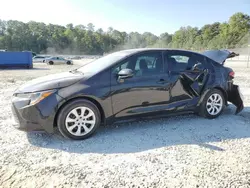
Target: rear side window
[(180, 58), (178, 61), (197, 59)]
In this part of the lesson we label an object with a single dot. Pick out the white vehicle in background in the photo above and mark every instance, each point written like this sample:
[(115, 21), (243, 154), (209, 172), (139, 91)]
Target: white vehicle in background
[(58, 60), (38, 59)]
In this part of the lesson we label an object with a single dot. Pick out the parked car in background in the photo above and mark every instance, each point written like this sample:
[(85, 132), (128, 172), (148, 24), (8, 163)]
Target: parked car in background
[(58, 60), (38, 59), (127, 84)]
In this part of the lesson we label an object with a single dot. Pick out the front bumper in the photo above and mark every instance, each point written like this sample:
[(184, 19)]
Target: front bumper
[(235, 97), (24, 124), (38, 117)]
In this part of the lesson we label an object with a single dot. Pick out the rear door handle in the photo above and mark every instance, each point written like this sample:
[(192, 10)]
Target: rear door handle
[(162, 81)]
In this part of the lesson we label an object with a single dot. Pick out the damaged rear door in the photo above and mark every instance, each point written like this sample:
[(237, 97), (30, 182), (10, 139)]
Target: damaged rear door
[(188, 74)]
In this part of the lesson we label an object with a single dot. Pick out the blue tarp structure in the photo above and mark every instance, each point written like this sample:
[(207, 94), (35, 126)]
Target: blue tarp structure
[(16, 60)]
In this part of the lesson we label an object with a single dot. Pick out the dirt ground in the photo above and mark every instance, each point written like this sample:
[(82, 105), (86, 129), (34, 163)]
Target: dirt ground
[(183, 151)]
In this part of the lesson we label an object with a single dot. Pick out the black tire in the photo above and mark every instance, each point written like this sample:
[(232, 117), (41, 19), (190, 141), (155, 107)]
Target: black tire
[(61, 119), (69, 63), (51, 63), (203, 111)]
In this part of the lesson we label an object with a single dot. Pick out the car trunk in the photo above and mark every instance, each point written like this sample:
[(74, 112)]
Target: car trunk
[(219, 56)]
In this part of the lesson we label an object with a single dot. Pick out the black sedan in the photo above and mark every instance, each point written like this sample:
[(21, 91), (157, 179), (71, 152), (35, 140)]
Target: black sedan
[(127, 84)]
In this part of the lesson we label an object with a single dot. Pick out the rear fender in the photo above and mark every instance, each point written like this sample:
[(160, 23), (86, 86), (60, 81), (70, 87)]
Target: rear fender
[(207, 90)]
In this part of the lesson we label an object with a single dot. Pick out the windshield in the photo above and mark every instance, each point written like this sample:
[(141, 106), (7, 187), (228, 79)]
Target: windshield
[(103, 62)]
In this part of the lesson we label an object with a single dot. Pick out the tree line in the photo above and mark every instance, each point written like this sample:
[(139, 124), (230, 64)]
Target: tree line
[(41, 38)]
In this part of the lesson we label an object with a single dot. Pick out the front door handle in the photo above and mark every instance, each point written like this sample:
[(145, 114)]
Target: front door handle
[(162, 81)]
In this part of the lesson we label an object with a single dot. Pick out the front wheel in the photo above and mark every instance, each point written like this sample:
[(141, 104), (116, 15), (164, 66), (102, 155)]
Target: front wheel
[(68, 63), (79, 119), (212, 104)]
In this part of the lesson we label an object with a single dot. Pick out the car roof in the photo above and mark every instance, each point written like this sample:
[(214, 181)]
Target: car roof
[(136, 50)]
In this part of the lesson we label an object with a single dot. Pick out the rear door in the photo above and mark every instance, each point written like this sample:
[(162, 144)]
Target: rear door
[(62, 60), (188, 76), (146, 92), (57, 60)]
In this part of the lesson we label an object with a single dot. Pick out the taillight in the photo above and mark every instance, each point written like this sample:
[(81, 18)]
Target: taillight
[(231, 74)]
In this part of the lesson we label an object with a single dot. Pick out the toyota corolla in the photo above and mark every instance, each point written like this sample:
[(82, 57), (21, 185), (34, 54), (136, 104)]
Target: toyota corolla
[(124, 85)]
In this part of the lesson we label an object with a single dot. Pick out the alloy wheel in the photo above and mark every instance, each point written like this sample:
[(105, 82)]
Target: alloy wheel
[(80, 121), (214, 104)]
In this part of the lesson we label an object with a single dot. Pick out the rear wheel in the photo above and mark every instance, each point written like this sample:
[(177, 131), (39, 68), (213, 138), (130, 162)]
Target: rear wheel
[(212, 104), (68, 63), (51, 63), (79, 119)]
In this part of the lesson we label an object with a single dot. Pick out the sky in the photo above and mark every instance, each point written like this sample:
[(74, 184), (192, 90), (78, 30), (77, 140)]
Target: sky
[(155, 16)]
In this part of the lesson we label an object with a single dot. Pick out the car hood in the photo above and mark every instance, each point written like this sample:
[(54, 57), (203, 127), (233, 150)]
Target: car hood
[(219, 56), (53, 81)]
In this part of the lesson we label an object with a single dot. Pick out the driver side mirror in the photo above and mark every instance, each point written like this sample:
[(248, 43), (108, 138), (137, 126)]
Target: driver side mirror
[(125, 73)]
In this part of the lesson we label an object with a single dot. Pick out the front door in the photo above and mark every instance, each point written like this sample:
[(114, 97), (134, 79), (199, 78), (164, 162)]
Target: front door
[(146, 92)]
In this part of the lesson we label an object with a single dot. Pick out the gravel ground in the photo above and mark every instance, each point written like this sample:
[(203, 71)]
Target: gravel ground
[(183, 151)]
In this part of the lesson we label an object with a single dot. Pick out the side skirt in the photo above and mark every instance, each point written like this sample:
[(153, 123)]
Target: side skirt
[(113, 120)]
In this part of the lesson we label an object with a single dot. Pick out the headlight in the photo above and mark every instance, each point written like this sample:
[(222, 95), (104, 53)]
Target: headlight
[(34, 97)]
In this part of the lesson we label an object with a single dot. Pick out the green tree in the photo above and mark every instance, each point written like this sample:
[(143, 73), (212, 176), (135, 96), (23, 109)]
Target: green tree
[(80, 39)]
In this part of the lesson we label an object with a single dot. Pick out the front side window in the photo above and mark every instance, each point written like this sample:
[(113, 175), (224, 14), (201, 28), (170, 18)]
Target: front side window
[(146, 64), (121, 66)]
